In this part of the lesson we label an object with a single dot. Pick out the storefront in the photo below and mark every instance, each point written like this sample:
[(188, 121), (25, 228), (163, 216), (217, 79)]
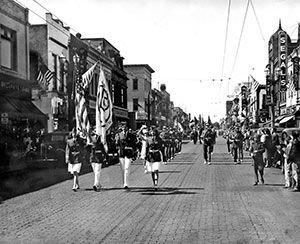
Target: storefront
[(15, 103)]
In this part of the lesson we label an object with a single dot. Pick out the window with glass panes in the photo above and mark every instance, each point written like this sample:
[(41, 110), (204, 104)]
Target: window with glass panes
[(135, 102), (135, 84), (8, 49)]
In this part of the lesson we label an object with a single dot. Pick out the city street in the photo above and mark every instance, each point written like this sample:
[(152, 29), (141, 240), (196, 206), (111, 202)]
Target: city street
[(196, 203)]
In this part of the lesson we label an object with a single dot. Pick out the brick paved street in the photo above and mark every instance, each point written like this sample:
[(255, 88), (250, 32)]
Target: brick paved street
[(196, 204)]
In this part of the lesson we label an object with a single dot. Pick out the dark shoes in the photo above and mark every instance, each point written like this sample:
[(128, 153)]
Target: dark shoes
[(255, 183), (95, 188), (126, 187)]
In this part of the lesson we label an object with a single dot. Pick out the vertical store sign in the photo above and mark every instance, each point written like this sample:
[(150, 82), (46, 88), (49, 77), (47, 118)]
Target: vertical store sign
[(268, 91), (296, 72), (282, 59)]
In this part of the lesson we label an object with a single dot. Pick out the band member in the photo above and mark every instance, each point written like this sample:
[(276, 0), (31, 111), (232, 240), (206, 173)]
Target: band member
[(126, 144), (208, 140), (194, 135), (75, 156), (164, 135), (154, 155), (97, 156), (142, 137), (256, 152)]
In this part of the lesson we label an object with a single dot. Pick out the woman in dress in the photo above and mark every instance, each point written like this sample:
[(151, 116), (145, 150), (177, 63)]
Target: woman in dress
[(75, 156), (154, 155)]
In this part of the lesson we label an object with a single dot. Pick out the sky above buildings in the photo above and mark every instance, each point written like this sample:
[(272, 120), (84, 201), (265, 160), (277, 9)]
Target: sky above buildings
[(182, 40)]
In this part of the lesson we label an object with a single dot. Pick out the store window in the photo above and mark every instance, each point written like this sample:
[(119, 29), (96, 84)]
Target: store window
[(135, 84), (135, 102), (8, 50)]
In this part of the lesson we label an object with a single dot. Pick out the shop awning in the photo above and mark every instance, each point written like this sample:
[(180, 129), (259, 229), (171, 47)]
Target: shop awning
[(286, 119), (20, 108)]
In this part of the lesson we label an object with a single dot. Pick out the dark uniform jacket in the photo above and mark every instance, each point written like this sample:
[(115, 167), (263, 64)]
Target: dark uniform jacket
[(126, 144), (75, 151), (257, 149), (208, 138), (154, 149), (97, 152)]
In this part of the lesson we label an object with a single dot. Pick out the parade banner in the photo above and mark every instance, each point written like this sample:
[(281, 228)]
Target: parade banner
[(103, 108)]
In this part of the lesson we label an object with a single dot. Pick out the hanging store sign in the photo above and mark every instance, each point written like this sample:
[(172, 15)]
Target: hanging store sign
[(282, 59), (296, 69)]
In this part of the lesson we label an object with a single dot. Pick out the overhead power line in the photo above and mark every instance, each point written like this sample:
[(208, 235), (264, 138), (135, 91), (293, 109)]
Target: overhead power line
[(240, 38), (257, 21), (226, 34), (53, 14), (38, 15)]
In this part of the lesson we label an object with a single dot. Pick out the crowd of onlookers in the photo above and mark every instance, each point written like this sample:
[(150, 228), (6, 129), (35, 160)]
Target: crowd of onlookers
[(17, 142), (268, 148)]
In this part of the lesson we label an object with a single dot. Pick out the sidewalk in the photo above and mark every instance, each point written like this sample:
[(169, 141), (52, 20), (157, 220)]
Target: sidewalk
[(196, 203)]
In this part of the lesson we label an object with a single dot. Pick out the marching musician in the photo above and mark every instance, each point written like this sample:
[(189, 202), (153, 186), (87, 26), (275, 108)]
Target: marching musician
[(154, 155), (126, 143), (75, 156), (97, 156)]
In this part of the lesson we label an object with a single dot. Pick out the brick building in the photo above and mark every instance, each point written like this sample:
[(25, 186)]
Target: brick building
[(139, 93), (16, 108), (49, 46)]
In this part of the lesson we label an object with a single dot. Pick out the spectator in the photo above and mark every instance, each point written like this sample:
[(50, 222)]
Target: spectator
[(293, 157)]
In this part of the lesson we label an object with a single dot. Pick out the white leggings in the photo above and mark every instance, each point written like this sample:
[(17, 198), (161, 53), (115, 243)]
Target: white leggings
[(97, 170), (125, 163)]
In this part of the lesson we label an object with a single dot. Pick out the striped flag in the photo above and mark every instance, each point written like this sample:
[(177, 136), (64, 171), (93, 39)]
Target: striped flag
[(255, 84), (103, 108), (44, 76), (291, 86), (81, 106)]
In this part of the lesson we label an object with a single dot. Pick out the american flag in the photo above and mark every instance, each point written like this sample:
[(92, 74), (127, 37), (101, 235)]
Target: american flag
[(44, 76), (255, 83), (81, 110), (291, 86)]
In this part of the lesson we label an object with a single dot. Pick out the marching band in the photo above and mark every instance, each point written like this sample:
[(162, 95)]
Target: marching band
[(152, 146)]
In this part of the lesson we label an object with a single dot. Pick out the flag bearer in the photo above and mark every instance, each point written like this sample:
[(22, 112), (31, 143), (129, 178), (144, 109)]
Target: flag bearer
[(126, 144), (97, 156), (75, 156)]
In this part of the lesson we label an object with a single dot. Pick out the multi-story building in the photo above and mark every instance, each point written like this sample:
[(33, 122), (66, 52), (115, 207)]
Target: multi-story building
[(162, 106), (292, 116), (280, 46), (49, 47), (257, 110), (16, 108), (139, 94)]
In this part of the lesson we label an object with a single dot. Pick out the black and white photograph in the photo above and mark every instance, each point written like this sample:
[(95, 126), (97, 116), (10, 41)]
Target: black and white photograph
[(149, 121)]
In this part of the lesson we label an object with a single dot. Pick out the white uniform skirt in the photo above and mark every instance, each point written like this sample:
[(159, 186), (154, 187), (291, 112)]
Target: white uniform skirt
[(74, 168), (152, 166)]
